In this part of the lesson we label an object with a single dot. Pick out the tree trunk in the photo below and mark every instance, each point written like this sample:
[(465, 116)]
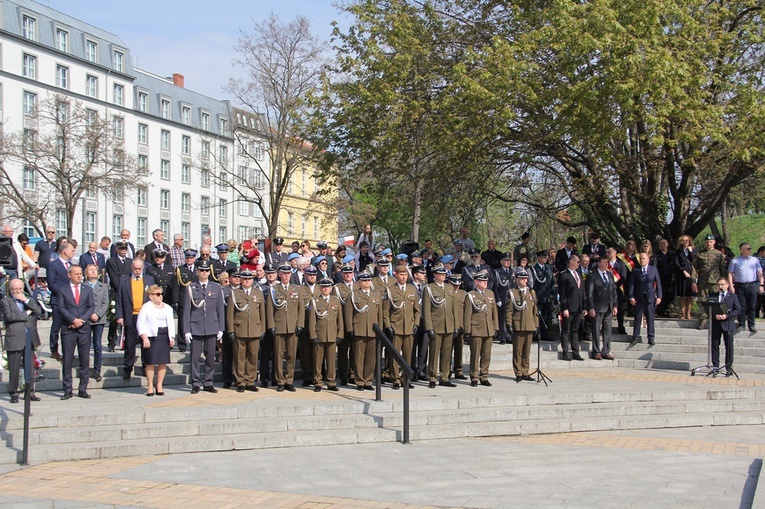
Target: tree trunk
[(724, 222), (417, 211)]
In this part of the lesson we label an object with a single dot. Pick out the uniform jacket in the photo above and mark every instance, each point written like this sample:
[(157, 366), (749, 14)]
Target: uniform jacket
[(220, 266), (544, 285), (526, 318), (325, 320), (209, 318), (401, 310), (470, 270), (460, 300), (115, 269), (124, 304), (16, 323), (246, 314), (183, 277), (130, 251), (481, 318), (287, 308), (163, 276), (503, 282), (439, 308), (361, 311)]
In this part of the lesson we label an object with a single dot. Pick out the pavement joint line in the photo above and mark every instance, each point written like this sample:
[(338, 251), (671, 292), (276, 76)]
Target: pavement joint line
[(642, 443)]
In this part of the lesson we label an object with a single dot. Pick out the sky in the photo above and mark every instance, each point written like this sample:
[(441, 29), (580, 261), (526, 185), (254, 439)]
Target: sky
[(193, 37)]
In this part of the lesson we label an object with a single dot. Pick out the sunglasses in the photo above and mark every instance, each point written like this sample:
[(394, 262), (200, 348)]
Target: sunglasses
[(156, 294)]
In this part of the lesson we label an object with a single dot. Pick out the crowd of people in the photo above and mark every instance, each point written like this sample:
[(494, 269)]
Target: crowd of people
[(257, 312)]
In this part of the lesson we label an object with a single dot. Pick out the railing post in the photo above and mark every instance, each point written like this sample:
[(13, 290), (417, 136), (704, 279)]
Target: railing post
[(378, 368), (28, 377), (406, 408)]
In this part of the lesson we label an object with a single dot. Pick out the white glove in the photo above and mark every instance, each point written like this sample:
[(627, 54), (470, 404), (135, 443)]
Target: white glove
[(220, 334), (188, 336), (499, 304)]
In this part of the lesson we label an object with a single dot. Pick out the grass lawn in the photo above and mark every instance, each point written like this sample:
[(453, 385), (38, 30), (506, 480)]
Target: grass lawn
[(749, 228)]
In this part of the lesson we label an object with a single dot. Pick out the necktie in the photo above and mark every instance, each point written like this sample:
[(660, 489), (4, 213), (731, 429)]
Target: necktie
[(605, 279), (66, 264), (366, 293), (77, 294), (204, 288), (722, 297), (578, 282)]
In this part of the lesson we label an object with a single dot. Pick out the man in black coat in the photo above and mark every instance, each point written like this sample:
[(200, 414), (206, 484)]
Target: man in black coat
[(157, 244), (127, 308), (724, 325), (162, 272), (601, 292), (595, 250), (564, 254), (19, 313), (116, 267), (573, 304), (644, 294)]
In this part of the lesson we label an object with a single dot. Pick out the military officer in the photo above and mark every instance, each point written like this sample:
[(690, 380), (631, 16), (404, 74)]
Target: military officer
[(544, 288), (162, 272), (325, 326), (481, 323), (305, 349), (203, 322), (363, 308), (267, 343), (223, 264), (247, 320), (277, 256), (382, 281), (460, 296), (522, 317), (185, 274), (710, 267), (421, 339), (342, 291), (439, 308), (503, 282), (472, 269), (288, 309), (401, 319)]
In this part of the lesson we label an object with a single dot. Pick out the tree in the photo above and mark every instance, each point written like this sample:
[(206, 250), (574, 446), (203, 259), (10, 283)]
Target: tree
[(282, 64), (76, 149)]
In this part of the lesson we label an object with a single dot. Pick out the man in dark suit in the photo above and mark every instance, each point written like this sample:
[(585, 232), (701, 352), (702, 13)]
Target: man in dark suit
[(159, 243), (162, 272), (619, 271), (116, 267), (93, 257), (595, 250), (124, 238), (58, 278), (573, 304), (601, 292), (644, 294), (19, 313), (724, 325), (76, 305), (131, 296), (563, 255), (222, 264)]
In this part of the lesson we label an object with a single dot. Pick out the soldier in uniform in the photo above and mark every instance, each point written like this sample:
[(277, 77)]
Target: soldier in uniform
[(226, 345), (325, 326), (545, 291), (162, 272), (363, 308), (246, 319), (205, 254), (382, 280), (439, 308), (503, 282), (267, 343), (522, 317), (223, 264), (481, 323), (305, 349), (288, 309), (710, 267), (277, 256), (475, 266), (401, 319), (203, 324), (460, 296), (185, 274), (116, 267), (342, 291), (421, 339)]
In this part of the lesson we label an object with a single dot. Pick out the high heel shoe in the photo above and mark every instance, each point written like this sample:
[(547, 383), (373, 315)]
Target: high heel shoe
[(159, 393), (150, 394)]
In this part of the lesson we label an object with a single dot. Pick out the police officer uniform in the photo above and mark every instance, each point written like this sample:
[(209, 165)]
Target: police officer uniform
[(503, 282), (325, 326), (469, 272), (481, 323), (288, 310), (162, 274), (460, 296), (345, 365), (544, 287), (362, 309), (185, 274), (401, 319), (305, 348), (220, 266), (522, 317), (439, 308), (246, 319), (275, 258)]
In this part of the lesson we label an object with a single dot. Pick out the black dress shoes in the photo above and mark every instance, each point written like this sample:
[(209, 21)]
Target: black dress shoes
[(251, 388), (279, 388), (240, 388), (195, 390), (126, 377), (474, 383), (34, 397), (518, 379), (651, 342), (343, 381), (486, 383), (14, 399), (431, 385), (359, 387), (333, 388), (460, 377), (422, 378), (396, 386), (264, 384), (306, 383), (226, 385), (290, 387), (577, 357), (368, 388), (317, 389), (67, 395), (446, 384), (83, 395), (210, 388), (528, 378)]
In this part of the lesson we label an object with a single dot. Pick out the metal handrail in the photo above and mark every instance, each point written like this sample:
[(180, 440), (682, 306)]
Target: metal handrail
[(405, 368)]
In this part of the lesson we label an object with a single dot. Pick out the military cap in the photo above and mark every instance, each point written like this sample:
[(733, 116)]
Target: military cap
[(377, 252), (190, 253), (319, 259), (310, 270), (507, 256), (159, 253), (439, 269), (347, 268), (521, 274), (383, 262), (424, 252), (416, 254), (325, 282), (402, 256), (542, 253), (481, 276), (348, 258), (416, 269), (458, 242), (284, 268), (400, 268), (386, 251), (222, 247), (365, 276), (123, 244), (455, 279), (203, 265), (293, 256), (279, 241), (474, 251), (269, 268), (321, 244), (447, 259), (246, 274), (709, 237)]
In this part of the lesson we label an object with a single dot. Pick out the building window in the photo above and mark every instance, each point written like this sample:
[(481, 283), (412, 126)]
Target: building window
[(205, 205), (29, 229), (119, 61), (29, 104), (91, 51), (257, 151), (223, 155), (141, 231), (116, 226), (223, 126), (119, 92), (62, 40), (164, 140), (290, 222), (62, 111), (304, 179), (164, 169), (290, 187), (62, 76), (164, 199), (186, 232), (143, 134), (303, 222), (185, 202), (143, 162), (186, 115), (205, 177), (222, 234), (244, 207), (29, 28), (185, 174), (90, 118), (205, 121), (223, 181), (91, 86), (165, 227), (316, 228), (90, 226), (119, 127), (90, 193), (223, 204), (60, 223), (29, 67), (243, 232), (186, 145), (143, 99), (204, 152), (29, 179), (142, 196), (164, 108), (29, 139)]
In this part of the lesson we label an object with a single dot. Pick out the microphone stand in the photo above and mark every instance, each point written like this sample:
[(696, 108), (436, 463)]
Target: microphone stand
[(541, 377)]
